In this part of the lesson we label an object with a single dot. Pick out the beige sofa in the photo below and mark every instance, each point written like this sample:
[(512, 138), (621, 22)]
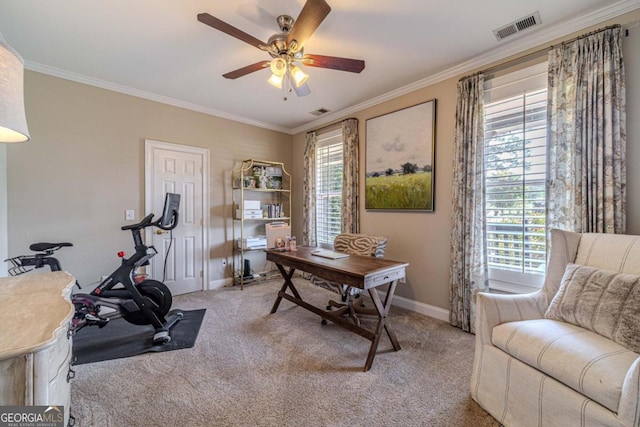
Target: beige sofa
[(564, 361)]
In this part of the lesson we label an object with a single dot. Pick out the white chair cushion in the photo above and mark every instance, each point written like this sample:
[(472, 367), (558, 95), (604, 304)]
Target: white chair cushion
[(583, 360), (613, 252)]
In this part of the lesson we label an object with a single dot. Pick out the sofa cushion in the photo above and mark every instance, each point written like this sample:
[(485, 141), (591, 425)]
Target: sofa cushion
[(581, 359), (602, 301)]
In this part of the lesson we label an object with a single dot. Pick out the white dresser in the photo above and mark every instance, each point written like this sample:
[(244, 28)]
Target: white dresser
[(35, 344)]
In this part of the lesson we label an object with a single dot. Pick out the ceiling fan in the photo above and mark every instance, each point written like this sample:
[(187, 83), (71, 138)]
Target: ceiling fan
[(287, 48)]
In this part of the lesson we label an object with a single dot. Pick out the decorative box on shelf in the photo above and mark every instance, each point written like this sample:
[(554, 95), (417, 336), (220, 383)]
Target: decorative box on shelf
[(254, 242), (251, 210), (251, 205), (277, 232), (249, 214)]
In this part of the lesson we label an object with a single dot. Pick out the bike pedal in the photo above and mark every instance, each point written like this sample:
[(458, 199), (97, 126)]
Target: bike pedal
[(95, 320), (161, 338)]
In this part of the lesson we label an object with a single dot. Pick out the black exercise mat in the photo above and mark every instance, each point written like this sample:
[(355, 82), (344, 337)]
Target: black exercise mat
[(120, 338)]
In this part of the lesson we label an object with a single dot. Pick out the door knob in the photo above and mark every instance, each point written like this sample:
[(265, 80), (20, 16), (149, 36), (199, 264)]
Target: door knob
[(159, 231)]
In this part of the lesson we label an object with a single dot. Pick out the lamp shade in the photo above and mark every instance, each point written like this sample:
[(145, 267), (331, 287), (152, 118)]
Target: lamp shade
[(276, 81), (13, 121), (278, 66), (299, 76)]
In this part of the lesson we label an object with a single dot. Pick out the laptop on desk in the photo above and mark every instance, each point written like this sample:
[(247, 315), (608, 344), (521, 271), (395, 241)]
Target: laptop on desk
[(327, 253)]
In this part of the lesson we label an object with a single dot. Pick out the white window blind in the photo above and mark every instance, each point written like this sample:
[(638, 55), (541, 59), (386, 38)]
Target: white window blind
[(329, 167), (515, 124)]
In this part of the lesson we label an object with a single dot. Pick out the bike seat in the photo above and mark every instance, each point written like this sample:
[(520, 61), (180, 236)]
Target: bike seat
[(40, 247)]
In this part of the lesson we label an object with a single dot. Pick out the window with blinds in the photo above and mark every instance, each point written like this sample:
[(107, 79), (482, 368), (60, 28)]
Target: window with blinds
[(329, 161), (515, 144)]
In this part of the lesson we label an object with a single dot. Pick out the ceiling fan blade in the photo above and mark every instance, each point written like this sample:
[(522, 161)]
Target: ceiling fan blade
[(219, 25), (312, 14), (333, 62), (246, 70)]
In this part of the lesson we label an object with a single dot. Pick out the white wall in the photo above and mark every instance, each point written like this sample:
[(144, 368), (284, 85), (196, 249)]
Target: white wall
[(4, 238), (84, 166), (631, 52)]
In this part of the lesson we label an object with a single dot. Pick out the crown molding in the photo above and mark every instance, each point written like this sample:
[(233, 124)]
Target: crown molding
[(103, 84), (525, 42)]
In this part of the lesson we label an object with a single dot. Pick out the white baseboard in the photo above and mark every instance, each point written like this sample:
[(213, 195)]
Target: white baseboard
[(419, 307), (219, 283)]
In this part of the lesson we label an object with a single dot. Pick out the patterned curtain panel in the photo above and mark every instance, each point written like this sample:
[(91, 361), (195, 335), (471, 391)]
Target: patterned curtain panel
[(350, 217), (587, 137), (309, 192), (468, 258)]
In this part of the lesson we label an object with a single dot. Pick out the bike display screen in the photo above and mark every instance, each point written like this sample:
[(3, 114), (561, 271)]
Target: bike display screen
[(171, 205)]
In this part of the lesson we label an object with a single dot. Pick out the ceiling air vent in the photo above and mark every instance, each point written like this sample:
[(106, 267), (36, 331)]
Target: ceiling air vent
[(320, 111), (517, 26)]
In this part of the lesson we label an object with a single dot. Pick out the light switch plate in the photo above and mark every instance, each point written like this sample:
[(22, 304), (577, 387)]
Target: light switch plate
[(129, 215)]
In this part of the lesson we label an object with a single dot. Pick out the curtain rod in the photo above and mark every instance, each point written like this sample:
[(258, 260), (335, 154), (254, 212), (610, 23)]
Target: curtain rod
[(540, 51), (325, 127)]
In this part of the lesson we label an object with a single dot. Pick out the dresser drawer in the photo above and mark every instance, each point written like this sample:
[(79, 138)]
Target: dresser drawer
[(383, 278), (13, 381)]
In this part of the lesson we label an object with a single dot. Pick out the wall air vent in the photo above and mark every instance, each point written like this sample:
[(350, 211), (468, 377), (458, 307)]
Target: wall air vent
[(320, 111), (515, 27)]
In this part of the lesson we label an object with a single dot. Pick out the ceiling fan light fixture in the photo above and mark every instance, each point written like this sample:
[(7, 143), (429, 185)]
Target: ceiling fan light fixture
[(298, 76), (278, 67), (287, 48), (275, 81)]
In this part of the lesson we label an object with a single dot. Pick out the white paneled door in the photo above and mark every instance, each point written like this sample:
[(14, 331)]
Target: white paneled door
[(181, 260)]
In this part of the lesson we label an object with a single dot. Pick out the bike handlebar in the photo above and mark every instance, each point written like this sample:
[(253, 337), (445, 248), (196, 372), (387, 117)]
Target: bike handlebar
[(147, 222), (174, 222)]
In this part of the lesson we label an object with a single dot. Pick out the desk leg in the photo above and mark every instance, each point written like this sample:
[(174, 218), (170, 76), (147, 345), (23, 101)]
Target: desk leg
[(383, 311), (387, 307), (287, 284)]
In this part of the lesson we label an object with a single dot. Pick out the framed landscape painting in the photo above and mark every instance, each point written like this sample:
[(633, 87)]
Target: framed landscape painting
[(400, 159)]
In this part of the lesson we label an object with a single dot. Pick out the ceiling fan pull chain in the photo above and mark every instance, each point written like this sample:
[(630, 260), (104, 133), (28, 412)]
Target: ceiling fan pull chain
[(286, 87)]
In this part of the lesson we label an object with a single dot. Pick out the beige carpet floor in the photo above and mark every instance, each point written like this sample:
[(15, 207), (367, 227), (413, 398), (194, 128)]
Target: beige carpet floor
[(252, 368)]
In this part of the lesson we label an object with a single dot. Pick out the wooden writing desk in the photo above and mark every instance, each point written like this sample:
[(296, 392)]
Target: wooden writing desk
[(358, 271)]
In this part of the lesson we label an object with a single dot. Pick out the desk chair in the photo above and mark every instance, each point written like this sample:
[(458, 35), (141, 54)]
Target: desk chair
[(357, 244)]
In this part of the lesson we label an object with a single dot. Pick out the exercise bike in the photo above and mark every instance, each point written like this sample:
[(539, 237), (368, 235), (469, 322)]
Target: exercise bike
[(132, 296)]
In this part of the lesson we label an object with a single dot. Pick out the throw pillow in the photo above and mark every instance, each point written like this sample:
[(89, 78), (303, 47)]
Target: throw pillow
[(604, 302)]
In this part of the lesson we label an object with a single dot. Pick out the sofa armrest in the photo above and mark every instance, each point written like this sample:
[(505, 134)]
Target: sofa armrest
[(629, 409), (495, 309)]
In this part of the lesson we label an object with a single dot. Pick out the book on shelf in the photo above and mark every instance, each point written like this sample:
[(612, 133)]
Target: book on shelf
[(273, 210)]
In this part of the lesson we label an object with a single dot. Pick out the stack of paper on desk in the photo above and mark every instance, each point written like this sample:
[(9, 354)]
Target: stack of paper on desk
[(327, 253)]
